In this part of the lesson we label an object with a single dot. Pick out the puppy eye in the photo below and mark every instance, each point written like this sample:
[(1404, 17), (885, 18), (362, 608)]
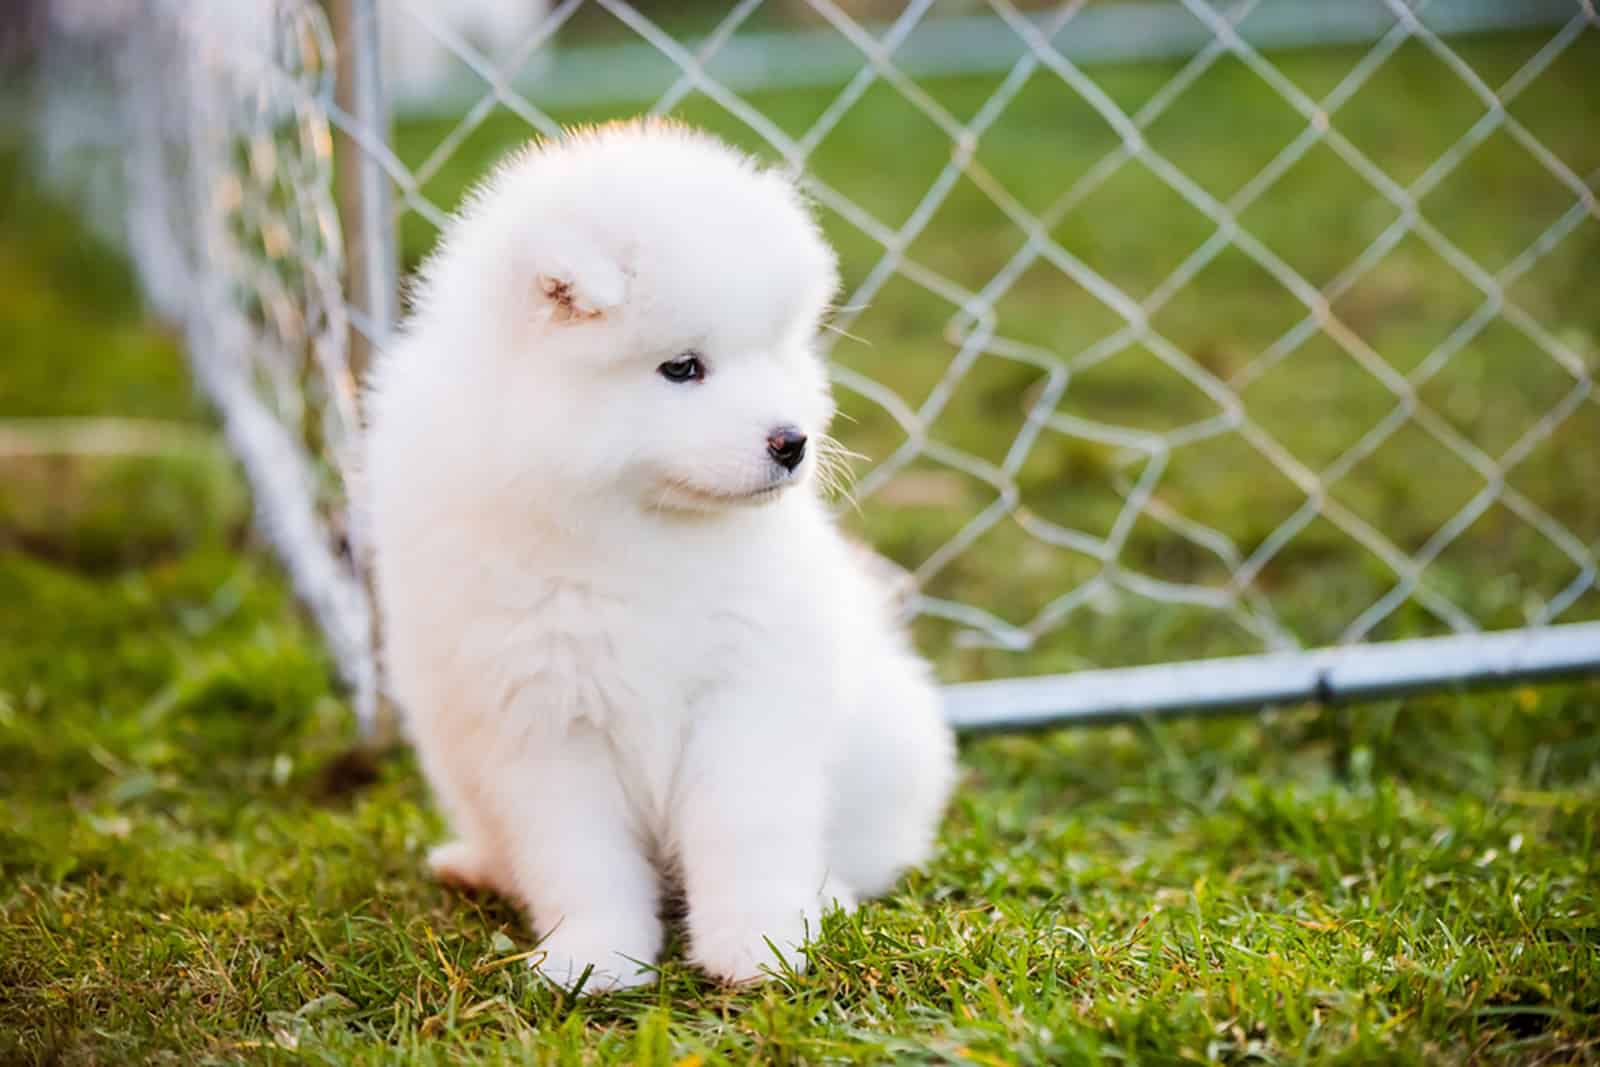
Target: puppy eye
[(685, 368)]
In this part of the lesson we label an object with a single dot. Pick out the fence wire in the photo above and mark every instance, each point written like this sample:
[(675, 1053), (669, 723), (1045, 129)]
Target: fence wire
[(235, 229), (217, 116)]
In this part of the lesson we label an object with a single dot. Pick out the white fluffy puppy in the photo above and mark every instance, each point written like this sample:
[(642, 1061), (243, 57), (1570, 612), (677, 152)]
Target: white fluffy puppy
[(630, 641)]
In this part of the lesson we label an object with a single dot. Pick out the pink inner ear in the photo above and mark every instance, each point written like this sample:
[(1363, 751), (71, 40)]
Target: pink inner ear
[(568, 306), (574, 270)]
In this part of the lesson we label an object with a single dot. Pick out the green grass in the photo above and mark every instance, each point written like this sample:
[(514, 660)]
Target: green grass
[(189, 874)]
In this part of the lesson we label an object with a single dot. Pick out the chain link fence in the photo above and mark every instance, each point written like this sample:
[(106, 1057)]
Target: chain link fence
[(201, 133), (1168, 337)]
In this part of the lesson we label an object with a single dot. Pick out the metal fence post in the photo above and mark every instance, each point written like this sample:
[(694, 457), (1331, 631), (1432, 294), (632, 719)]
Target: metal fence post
[(371, 263)]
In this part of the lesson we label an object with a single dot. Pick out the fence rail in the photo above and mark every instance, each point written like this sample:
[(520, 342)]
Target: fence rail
[(1326, 676)]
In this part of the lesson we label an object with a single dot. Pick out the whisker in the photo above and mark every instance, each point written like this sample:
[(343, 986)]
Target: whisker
[(832, 446), (835, 473), (842, 332)]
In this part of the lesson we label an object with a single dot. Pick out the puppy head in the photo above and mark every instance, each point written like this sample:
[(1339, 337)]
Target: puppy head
[(648, 299)]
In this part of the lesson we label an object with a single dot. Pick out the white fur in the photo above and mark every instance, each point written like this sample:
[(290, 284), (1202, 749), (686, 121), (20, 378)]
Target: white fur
[(630, 645)]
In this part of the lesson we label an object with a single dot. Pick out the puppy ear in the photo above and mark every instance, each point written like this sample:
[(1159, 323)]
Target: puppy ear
[(576, 281)]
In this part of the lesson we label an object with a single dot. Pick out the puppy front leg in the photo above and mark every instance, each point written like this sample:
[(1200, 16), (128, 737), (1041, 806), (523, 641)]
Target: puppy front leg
[(581, 866), (749, 833)]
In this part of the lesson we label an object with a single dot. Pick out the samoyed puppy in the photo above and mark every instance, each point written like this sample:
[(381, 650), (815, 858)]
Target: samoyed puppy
[(633, 648)]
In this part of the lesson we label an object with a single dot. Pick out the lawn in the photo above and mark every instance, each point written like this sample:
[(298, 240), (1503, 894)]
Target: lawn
[(190, 871)]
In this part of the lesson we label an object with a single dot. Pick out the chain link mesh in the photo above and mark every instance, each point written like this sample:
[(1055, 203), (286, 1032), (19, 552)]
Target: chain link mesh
[(1203, 503), (218, 118)]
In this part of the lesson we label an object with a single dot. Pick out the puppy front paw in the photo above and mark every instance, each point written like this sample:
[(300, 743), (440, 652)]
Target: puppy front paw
[(741, 948), (563, 958)]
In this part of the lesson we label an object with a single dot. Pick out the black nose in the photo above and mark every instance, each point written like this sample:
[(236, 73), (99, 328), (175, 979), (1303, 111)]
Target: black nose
[(787, 446)]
